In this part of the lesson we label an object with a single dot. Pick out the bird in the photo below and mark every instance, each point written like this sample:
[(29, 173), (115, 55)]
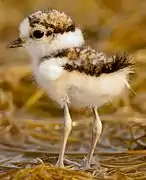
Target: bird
[(70, 71)]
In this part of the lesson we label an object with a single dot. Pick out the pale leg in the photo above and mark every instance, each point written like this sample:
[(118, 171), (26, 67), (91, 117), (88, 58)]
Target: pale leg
[(67, 130), (96, 131)]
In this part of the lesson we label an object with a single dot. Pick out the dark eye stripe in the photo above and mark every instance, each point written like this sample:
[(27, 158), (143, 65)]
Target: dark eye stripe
[(71, 28), (58, 30), (49, 33)]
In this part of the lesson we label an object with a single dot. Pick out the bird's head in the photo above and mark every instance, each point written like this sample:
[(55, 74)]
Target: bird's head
[(45, 32)]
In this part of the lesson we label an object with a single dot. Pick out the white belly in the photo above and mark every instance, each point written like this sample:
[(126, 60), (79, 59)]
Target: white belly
[(81, 90), (88, 91)]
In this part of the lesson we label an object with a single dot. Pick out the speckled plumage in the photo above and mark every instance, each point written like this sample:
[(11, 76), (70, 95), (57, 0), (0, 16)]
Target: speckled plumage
[(54, 21), (92, 62)]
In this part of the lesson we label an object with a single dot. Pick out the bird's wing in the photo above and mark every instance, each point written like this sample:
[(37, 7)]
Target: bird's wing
[(94, 63)]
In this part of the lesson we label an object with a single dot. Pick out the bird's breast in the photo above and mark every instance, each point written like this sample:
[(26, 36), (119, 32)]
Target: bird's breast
[(51, 78), (79, 89), (50, 72)]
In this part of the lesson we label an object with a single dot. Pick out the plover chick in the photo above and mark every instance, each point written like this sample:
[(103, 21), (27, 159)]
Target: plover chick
[(71, 73)]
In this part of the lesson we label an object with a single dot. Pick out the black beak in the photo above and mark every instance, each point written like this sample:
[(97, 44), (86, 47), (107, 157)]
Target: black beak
[(16, 43)]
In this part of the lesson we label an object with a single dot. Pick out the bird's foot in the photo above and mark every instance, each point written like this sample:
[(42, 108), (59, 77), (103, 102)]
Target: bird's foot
[(69, 163), (72, 164), (60, 163), (84, 165)]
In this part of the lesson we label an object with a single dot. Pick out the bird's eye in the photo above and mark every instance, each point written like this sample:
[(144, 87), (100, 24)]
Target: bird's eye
[(37, 34)]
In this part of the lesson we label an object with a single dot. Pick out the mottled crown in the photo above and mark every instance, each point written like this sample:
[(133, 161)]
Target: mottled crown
[(53, 20)]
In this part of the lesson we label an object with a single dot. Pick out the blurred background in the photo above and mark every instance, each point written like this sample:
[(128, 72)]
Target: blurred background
[(29, 120)]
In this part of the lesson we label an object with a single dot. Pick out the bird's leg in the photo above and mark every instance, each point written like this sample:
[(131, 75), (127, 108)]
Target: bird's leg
[(66, 132), (96, 131)]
